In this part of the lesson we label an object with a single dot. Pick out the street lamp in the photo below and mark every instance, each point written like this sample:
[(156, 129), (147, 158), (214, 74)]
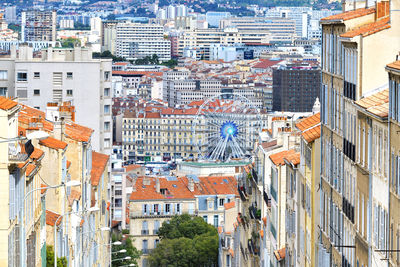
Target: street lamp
[(120, 251), (121, 259), (23, 243), (117, 243)]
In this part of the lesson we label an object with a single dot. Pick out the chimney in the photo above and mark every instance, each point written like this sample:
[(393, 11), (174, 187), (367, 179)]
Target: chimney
[(157, 185), (191, 184), (59, 128)]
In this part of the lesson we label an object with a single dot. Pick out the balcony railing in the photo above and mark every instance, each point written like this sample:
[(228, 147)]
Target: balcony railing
[(145, 232), (14, 153), (139, 214), (267, 199)]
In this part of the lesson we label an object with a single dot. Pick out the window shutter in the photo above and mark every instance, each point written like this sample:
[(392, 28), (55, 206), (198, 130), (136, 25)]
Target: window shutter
[(12, 197)]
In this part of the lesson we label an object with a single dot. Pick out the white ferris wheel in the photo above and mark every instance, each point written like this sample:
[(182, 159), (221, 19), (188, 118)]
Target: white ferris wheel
[(226, 127)]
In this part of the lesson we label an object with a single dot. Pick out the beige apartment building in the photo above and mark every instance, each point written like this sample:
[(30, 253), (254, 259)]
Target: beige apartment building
[(353, 67)]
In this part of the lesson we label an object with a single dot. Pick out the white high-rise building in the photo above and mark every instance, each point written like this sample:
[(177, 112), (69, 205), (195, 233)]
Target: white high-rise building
[(136, 40), (64, 75), (11, 14)]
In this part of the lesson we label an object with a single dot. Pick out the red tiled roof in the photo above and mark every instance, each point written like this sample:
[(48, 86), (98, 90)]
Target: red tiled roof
[(377, 104), (309, 122), (312, 134), (30, 169), (6, 103), (368, 29), (229, 205), (394, 65), (266, 63), (121, 63), (99, 163), (293, 158), (75, 195), (52, 217), (280, 254), (53, 143), (173, 189), (277, 158), (78, 132), (153, 115), (269, 144), (43, 190), (132, 167), (68, 164), (350, 14), (37, 154)]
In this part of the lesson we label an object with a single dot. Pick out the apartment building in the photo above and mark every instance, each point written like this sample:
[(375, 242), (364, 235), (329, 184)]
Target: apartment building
[(203, 38), (282, 30), (354, 212), (74, 76), (136, 40), (393, 222), (108, 35), (154, 201), (38, 25)]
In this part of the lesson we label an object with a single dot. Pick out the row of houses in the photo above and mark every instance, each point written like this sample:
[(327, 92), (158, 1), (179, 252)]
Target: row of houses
[(54, 188)]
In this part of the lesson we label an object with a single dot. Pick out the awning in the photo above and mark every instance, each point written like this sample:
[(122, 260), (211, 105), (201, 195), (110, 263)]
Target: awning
[(280, 254)]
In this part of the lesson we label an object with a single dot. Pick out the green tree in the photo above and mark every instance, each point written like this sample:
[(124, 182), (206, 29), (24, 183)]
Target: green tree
[(172, 63), (50, 258), (186, 241), (70, 42), (131, 251), (107, 54)]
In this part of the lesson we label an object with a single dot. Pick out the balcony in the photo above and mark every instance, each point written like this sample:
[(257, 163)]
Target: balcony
[(15, 154), (146, 251), (254, 212), (155, 231), (160, 214), (242, 193), (145, 232), (253, 248), (267, 199)]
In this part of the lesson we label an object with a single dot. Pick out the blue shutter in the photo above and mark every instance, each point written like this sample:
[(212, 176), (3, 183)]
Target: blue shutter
[(11, 197), (64, 169)]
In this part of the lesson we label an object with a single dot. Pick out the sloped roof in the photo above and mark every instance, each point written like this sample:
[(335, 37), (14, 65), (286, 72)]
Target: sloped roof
[(312, 134), (36, 154), (278, 158), (368, 29), (229, 205), (293, 158), (350, 14), (53, 143), (6, 103), (78, 132), (377, 104), (52, 217), (309, 122), (266, 63), (99, 163), (394, 65), (280, 254)]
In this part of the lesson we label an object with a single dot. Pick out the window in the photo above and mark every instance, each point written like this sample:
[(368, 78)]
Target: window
[(107, 126), (167, 208), (3, 75), (36, 75), (36, 92), (107, 109), (69, 75), (22, 93), (3, 91), (69, 92), (106, 75), (145, 209), (205, 218), (107, 142), (221, 201), (216, 220), (106, 91), (22, 76)]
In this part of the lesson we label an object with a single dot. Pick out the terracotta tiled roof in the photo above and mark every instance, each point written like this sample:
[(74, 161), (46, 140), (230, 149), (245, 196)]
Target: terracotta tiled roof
[(174, 189), (394, 65), (264, 219), (266, 63), (6, 103), (277, 158), (75, 195), (269, 144), (43, 190), (312, 134), (350, 14), (53, 143), (309, 122), (280, 254), (377, 104), (52, 217), (368, 29), (153, 115), (68, 164), (78, 132), (132, 167), (293, 158), (229, 205), (99, 163), (31, 169), (37, 154)]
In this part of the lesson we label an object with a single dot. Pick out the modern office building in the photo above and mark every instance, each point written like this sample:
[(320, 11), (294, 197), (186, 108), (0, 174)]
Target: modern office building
[(295, 87), (136, 40), (38, 25), (213, 18), (11, 14)]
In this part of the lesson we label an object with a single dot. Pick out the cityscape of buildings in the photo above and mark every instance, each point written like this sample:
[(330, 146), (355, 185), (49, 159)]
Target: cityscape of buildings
[(266, 134)]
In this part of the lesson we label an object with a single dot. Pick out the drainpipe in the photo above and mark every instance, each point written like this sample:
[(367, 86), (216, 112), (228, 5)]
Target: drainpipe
[(369, 122)]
